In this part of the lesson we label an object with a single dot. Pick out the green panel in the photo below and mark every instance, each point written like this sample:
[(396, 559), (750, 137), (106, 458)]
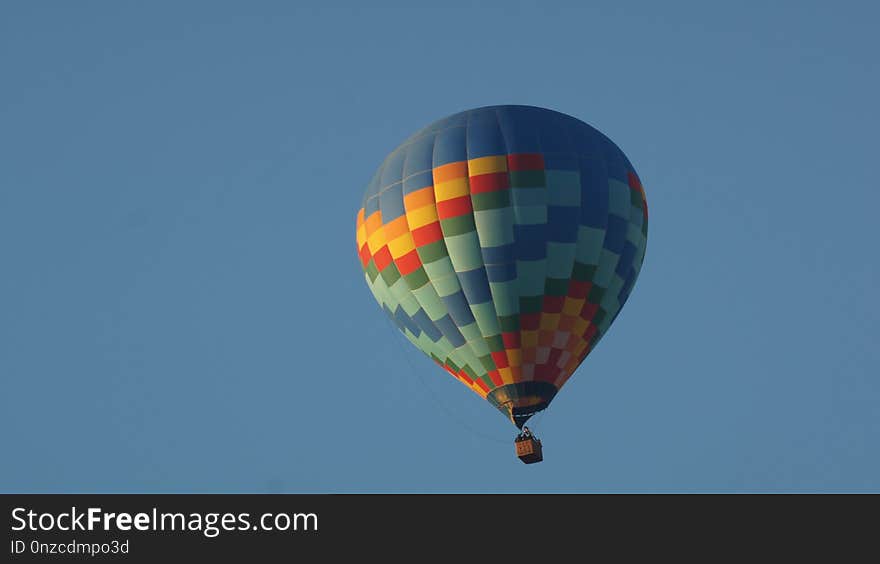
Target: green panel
[(564, 187), (431, 252), (589, 244), (609, 300), (530, 276), (470, 372), (505, 297), (446, 285), (556, 286), (471, 332), (607, 264), (488, 381), (531, 304), (439, 268), (618, 198), (494, 227), (527, 179), (465, 251), (509, 323), (417, 278), (583, 272), (596, 294), (486, 318), (495, 343), (530, 215), (636, 217), (390, 275), (430, 302), (560, 259), (404, 296), (605, 323), (487, 361), (635, 198), (457, 225), (371, 270), (491, 200), (479, 346), (634, 235)]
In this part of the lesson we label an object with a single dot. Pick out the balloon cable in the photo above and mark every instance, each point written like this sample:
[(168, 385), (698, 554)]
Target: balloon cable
[(430, 392)]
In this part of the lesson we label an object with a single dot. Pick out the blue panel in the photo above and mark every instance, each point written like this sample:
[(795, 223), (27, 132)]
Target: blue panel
[(560, 161), (587, 141), (518, 127), (371, 206), (615, 162), (628, 283), (403, 320), (475, 286), (501, 272), (455, 120), (484, 136), (594, 193), (419, 156), (418, 181), (372, 187), (531, 241), (424, 322), (458, 309), (450, 331), (615, 234), (394, 317), (500, 254), (528, 197), (392, 171), (553, 134), (449, 146), (391, 203), (624, 264), (388, 311), (562, 223)]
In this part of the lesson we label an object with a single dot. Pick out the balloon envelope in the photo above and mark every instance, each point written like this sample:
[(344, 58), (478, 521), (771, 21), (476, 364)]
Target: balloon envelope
[(503, 241)]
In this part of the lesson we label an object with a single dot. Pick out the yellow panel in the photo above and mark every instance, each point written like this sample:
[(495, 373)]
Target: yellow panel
[(361, 235), (451, 189), (396, 227), (401, 245), (376, 241), (421, 217), (529, 339), (580, 326), (573, 306), (487, 165), (419, 198), (514, 357), (373, 222), (478, 390), (506, 375), (550, 321), (450, 171)]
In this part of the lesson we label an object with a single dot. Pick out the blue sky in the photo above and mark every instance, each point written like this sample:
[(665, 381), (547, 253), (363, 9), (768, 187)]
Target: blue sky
[(182, 308)]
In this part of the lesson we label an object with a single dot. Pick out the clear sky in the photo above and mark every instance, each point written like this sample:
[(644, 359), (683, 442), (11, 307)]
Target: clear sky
[(182, 307)]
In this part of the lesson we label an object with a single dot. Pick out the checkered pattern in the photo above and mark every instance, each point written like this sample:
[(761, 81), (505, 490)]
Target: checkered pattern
[(503, 241)]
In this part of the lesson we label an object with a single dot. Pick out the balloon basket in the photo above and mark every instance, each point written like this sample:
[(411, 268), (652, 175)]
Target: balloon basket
[(528, 449)]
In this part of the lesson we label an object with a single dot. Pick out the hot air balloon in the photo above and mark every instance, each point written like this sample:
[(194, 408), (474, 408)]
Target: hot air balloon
[(503, 241)]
